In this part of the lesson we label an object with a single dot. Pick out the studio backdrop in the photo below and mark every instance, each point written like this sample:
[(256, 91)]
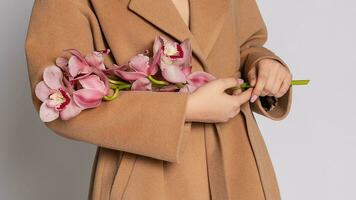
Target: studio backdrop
[(313, 150)]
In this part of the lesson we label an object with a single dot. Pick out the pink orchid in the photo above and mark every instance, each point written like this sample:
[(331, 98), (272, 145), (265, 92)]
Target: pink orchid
[(172, 58), (195, 80), (57, 102), (140, 66), (142, 84), (86, 76), (92, 91), (137, 71), (79, 65)]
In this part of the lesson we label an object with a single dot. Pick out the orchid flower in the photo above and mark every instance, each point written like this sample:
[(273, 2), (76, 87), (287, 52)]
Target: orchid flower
[(57, 101), (92, 92), (195, 79), (86, 73), (79, 65), (137, 71), (172, 58)]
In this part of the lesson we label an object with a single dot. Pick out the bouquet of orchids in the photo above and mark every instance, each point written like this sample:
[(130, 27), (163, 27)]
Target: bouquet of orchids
[(83, 82)]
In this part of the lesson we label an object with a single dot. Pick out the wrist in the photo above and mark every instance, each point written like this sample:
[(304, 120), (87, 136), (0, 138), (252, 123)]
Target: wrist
[(189, 111)]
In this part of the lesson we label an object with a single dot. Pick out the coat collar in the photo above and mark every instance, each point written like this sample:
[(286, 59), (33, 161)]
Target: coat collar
[(206, 20)]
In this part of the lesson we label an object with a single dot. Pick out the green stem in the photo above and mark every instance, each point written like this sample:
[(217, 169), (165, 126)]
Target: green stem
[(121, 87), (180, 85), (157, 82), (112, 97), (116, 82), (294, 82), (300, 82)]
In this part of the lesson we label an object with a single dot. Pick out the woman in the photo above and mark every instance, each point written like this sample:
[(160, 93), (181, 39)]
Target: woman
[(170, 145)]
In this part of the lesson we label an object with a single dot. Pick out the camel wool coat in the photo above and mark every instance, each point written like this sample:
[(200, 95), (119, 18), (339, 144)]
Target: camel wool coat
[(146, 149)]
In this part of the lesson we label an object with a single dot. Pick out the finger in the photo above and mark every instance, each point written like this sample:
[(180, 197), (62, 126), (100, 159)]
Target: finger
[(228, 82), (270, 86), (261, 82), (238, 91), (252, 77), (265, 93), (276, 85), (284, 87), (244, 96)]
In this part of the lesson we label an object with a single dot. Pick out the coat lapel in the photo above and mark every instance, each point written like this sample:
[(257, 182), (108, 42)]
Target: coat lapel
[(206, 20)]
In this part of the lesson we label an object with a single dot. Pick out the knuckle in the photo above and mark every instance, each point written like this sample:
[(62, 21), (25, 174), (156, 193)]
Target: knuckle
[(235, 106), (289, 76), (262, 77), (279, 94), (257, 92), (237, 111), (274, 91), (281, 78)]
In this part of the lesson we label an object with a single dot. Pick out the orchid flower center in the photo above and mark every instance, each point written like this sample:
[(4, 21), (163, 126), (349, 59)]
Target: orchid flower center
[(173, 51), (59, 99)]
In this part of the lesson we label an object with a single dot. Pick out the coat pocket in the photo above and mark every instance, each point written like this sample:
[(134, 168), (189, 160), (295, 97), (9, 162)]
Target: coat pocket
[(123, 175)]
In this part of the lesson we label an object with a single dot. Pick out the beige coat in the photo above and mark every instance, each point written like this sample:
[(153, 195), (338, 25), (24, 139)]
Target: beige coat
[(163, 156)]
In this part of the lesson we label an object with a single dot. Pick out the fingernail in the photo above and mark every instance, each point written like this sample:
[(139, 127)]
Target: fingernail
[(240, 81), (253, 98)]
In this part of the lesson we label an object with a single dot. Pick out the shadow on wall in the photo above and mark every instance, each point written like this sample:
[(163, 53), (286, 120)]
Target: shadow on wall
[(35, 163)]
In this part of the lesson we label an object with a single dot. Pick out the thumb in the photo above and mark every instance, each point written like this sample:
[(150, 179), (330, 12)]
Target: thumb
[(244, 96), (252, 76)]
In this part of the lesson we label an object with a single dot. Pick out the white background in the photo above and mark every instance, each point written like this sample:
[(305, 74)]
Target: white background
[(313, 150)]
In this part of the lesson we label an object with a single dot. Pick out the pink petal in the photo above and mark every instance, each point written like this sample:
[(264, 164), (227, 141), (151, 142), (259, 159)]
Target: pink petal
[(142, 84), (199, 78), (70, 111), (158, 43), (129, 76), (154, 63), (187, 70), (172, 73), (187, 53), (102, 76), (96, 59), (93, 82), (61, 62), (77, 54), (51, 103), (111, 70), (188, 88), (77, 66), (87, 98), (168, 88), (42, 91), (140, 63), (48, 114), (53, 76)]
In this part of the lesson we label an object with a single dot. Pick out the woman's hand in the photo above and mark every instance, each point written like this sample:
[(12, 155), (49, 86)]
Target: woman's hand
[(269, 78), (210, 102)]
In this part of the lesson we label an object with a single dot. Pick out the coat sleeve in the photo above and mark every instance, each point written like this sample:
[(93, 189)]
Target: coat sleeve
[(253, 31), (141, 122)]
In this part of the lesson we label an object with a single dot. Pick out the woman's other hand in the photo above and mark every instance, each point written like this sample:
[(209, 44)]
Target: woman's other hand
[(210, 103), (269, 78)]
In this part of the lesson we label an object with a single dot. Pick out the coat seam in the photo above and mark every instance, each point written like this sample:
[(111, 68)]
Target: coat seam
[(118, 162), (206, 162), (254, 157), (129, 178)]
